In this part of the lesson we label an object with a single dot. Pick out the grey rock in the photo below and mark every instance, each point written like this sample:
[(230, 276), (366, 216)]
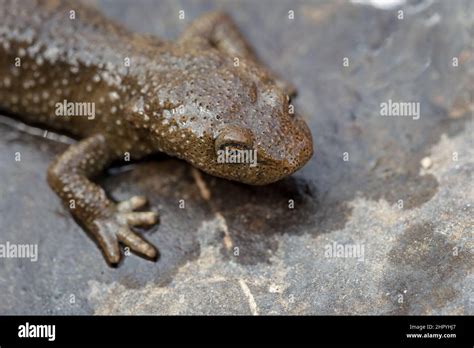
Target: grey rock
[(245, 251)]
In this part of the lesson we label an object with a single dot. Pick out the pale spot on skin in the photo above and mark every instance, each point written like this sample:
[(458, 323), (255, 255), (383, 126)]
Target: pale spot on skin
[(114, 95)]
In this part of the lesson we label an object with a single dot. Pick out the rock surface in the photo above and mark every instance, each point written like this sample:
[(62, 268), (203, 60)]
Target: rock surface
[(247, 250)]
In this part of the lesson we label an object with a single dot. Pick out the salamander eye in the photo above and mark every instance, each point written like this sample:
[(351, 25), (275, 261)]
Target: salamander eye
[(234, 137)]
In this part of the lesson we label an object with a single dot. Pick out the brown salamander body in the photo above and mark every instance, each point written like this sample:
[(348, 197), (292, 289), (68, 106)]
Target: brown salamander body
[(65, 66)]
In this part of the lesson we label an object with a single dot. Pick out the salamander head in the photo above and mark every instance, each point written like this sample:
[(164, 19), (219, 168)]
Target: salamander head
[(234, 123)]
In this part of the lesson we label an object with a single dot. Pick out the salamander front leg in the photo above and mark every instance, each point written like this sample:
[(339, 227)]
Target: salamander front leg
[(107, 222)]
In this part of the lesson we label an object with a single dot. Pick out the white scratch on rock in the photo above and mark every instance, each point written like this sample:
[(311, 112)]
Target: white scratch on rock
[(35, 131), (223, 226), (248, 294), (381, 4), (201, 184)]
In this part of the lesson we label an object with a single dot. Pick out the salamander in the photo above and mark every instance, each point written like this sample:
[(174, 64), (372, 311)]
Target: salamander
[(65, 66)]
